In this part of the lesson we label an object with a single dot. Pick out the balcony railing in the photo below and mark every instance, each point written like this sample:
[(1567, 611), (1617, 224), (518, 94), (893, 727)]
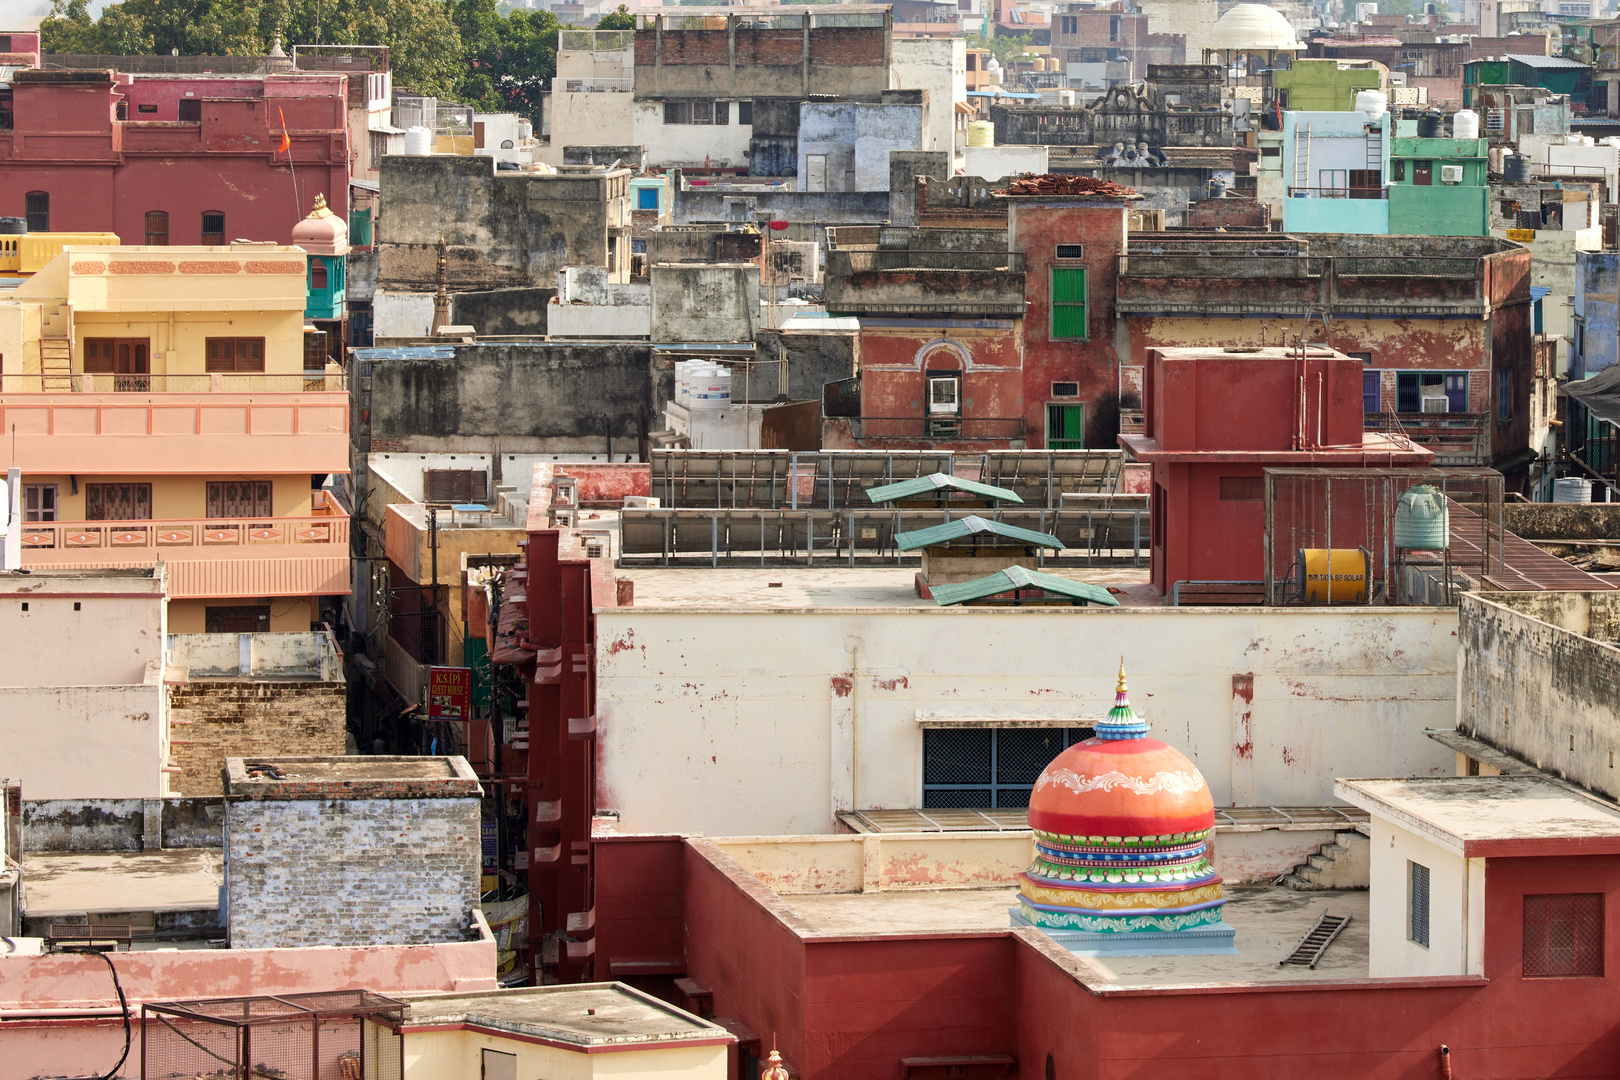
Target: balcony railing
[(598, 86), (1455, 438), (79, 383), (962, 428), (1338, 193), (869, 260), (98, 541)]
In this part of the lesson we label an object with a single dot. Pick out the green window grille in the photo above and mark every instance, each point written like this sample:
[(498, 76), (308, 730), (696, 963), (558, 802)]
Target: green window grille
[(1069, 302), (1065, 427)]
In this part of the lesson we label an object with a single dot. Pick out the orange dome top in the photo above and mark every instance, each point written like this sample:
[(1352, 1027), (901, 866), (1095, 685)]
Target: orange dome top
[(1121, 783)]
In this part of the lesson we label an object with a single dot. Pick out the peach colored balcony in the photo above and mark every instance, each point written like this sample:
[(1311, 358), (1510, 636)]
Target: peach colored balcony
[(207, 557), (164, 424)]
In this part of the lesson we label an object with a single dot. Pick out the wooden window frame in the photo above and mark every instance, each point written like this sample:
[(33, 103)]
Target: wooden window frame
[(219, 235), (95, 501), (1082, 305), (34, 497), (258, 495), (155, 238), (217, 363)]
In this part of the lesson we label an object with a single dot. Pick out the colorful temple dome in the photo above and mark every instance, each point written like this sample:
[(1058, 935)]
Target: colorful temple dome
[(1121, 825)]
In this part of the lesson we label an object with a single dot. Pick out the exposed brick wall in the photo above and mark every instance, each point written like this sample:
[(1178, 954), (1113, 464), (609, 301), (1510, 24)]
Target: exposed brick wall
[(350, 871), (249, 719), (840, 46), (771, 46)]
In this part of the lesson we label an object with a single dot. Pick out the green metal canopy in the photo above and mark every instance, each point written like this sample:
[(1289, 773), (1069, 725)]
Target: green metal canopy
[(924, 485), (1017, 577), (971, 525)]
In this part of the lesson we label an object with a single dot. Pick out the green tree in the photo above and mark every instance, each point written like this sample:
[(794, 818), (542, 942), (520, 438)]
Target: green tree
[(619, 18), (1003, 47)]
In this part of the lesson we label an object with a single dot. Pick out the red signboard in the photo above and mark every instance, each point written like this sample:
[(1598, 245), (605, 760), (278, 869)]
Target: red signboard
[(449, 693)]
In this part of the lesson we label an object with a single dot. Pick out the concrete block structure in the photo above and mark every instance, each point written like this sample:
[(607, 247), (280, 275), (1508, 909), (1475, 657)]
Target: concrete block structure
[(350, 851)]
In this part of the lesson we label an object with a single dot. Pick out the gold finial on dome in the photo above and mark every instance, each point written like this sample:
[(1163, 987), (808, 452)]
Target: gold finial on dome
[(320, 210), (1120, 688)]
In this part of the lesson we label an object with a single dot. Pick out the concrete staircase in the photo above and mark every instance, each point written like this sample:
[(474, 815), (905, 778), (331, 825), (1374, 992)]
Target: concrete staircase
[(1344, 863)]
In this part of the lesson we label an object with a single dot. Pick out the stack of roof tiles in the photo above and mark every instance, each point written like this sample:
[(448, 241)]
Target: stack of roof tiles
[(1059, 184)]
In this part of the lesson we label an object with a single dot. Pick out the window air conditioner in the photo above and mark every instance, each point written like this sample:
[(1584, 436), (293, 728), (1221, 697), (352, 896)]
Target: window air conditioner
[(1451, 174), (1436, 405)]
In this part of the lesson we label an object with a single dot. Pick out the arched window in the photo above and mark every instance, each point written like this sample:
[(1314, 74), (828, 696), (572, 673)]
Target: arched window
[(317, 273), (38, 209), (213, 227), (157, 228)]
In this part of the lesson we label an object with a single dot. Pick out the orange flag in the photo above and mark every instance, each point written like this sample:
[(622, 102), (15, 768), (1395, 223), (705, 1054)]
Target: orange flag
[(286, 143)]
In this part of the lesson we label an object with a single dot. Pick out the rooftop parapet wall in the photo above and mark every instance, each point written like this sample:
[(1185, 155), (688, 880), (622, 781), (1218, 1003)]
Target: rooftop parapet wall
[(282, 779), (777, 52)]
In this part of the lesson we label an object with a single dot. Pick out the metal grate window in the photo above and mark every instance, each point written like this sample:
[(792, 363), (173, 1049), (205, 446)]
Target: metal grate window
[(989, 768), (1563, 935), (1417, 914), (1242, 488)]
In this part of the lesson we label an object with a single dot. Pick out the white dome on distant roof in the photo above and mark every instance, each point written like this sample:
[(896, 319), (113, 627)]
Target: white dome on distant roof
[(1253, 28)]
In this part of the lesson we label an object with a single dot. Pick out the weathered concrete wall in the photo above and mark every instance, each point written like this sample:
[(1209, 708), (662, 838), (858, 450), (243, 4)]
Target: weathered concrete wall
[(692, 302), (855, 139), (502, 311), (815, 207), (1562, 521), (1271, 704), (86, 742), (360, 276), (350, 871), (250, 718), (516, 398), (1541, 680), (61, 628), (500, 228), (813, 360), (122, 824), (905, 167)]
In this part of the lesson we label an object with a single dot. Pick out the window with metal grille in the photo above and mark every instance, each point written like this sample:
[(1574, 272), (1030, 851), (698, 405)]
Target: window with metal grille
[(989, 767), (1071, 251), (1065, 389), (1417, 904), (1242, 488), (239, 499), (1069, 303), (37, 207), (1504, 394), (157, 229), (118, 502), (234, 354), (745, 112), (455, 485), (213, 228), (1563, 935)]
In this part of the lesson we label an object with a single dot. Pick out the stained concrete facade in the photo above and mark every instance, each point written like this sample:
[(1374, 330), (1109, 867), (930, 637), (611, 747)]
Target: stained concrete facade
[(351, 851), (845, 146), (1540, 679), (694, 302), (500, 228)]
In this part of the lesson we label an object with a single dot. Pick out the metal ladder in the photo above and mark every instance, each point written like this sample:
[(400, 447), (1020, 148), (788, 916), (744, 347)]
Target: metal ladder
[(1315, 942), (1302, 158)]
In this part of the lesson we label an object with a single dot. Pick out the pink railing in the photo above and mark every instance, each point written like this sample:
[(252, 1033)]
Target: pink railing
[(97, 541)]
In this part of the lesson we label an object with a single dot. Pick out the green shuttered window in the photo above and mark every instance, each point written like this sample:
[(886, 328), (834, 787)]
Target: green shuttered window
[(1069, 302)]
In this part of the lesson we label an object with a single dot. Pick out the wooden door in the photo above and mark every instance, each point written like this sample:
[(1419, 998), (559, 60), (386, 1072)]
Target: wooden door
[(131, 366)]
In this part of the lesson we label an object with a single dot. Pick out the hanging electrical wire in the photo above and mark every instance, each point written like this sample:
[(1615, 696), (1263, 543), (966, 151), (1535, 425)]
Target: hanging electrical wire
[(123, 1005)]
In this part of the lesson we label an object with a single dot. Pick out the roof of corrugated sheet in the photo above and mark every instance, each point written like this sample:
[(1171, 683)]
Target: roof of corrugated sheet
[(1017, 577), (923, 485), (406, 352), (1600, 394), (971, 525), (1533, 60)]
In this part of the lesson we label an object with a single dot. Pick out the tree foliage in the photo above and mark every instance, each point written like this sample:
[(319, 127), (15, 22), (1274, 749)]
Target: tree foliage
[(1003, 47), (620, 18), (459, 50)]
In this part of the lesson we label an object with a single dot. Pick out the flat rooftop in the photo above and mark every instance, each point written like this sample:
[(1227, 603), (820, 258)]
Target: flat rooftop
[(1503, 816), (351, 777), (65, 885), (585, 1015), (1269, 920), (788, 588)]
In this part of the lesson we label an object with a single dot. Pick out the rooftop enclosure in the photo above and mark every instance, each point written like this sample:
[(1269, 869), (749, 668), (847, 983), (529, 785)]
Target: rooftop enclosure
[(1354, 516), (350, 851), (268, 656), (873, 271), (1292, 274), (779, 52), (295, 1035)]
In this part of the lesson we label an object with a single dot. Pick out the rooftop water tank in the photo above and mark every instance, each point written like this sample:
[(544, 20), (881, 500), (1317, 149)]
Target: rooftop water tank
[(1572, 489), (1431, 125), (981, 133), (418, 142), (13, 226), (1372, 104), (1465, 124), (1516, 169), (1422, 521)]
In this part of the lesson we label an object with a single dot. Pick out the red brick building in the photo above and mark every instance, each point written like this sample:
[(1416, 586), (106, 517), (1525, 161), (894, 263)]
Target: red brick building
[(183, 159)]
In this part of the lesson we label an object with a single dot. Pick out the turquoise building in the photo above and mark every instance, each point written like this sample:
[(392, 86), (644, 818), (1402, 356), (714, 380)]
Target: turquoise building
[(1437, 187), (326, 239), (1335, 166)]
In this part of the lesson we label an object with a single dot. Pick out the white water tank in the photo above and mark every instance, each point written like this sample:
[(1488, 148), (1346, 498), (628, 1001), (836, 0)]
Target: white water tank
[(1372, 104), (1572, 489), (418, 142), (1465, 124), (711, 387)]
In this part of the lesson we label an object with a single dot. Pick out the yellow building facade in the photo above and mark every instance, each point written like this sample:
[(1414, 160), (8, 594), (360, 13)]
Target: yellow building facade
[(162, 412)]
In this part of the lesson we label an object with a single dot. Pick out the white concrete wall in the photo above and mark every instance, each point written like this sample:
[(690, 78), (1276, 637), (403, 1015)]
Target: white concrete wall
[(1589, 158), (728, 721), (939, 66), (1456, 907), (588, 119), (997, 162), (598, 321), (401, 314), (403, 472), (109, 640), (86, 742), (671, 145), (856, 138)]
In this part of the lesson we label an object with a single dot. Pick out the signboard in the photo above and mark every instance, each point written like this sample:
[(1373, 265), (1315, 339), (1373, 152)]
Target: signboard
[(449, 693)]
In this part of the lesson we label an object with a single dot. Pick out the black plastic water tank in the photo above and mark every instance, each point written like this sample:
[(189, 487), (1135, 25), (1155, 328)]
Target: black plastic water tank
[(13, 226), (1516, 169), (1431, 125)]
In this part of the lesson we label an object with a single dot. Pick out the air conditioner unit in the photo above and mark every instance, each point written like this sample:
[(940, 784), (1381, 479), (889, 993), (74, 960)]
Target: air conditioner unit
[(1436, 405), (1451, 174), (944, 396)]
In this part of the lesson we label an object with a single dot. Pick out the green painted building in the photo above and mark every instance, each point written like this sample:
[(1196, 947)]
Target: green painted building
[(1323, 85), (1552, 73), (1437, 187)]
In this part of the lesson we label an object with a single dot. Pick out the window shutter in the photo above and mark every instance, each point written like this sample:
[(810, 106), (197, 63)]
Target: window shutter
[(1563, 935), (455, 485)]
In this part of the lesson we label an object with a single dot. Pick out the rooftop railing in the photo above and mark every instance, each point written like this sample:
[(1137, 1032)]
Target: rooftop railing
[(45, 383)]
